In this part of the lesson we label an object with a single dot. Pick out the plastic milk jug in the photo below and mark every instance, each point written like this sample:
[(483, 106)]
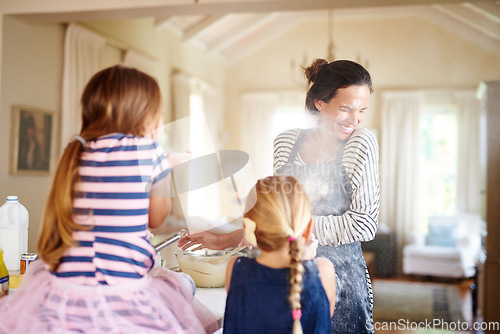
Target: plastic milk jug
[(4, 277), (14, 220)]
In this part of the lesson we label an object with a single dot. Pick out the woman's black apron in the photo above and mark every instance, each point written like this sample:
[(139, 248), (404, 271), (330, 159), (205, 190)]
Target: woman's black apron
[(329, 189)]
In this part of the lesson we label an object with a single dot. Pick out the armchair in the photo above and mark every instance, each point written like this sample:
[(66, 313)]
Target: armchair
[(449, 249)]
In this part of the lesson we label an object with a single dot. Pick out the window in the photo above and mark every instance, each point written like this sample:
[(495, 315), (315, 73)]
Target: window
[(268, 114), (437, 162), (198, 203), (289, 117)]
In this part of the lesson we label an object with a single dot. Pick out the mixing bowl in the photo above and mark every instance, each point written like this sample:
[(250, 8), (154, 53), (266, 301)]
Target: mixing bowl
[(206, 267)]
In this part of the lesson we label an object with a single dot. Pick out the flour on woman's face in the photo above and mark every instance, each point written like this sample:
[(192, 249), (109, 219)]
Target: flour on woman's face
[(356, 103)]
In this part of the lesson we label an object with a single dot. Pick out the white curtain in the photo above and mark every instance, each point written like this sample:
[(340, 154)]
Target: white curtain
[(398, 163), (258, 111), (179, 129), (264, 116), (468, 170), (195, 104), (82, 59), (140, 61), (212, 108), (182, 85)]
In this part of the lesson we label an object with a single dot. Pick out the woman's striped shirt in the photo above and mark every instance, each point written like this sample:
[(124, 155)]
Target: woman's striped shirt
[(360, 160), (117, 173)]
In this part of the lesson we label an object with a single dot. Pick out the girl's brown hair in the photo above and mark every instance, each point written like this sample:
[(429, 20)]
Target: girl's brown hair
[(282, 212), (324, 79), (117, 99)]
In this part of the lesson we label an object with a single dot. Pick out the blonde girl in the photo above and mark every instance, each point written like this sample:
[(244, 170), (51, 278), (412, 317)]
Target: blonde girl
[(279, 291), (95, 273)]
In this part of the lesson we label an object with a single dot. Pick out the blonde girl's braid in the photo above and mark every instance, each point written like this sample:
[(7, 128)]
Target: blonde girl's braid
[(296, 271), (298, 210)]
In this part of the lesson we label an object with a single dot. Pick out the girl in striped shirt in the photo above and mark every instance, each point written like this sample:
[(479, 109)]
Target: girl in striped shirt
[(95, 273), (337, 163)]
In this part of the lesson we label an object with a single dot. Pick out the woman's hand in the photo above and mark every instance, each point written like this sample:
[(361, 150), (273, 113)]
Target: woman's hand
[(245, 243), (201, 240), (211, 240), (310, 247)]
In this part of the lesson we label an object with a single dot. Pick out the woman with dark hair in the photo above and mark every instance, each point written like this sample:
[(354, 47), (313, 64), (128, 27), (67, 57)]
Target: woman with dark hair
[(337, 163)]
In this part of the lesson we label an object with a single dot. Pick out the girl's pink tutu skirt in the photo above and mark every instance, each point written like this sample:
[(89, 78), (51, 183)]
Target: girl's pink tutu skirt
[(161, 302)]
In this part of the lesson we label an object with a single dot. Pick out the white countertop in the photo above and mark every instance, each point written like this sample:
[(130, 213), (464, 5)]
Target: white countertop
[(214, 299)]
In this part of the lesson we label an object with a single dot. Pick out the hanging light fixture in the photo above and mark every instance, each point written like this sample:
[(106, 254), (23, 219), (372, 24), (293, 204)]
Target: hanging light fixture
[(296, 68), (330, 55), (330, 52)]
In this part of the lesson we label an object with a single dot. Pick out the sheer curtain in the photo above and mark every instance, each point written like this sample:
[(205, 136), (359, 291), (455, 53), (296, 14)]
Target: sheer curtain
[(264, 116), (211, 106), (258, 111), (182, 88), (468, 171), (398, 169), (82, 59), (193, 101)]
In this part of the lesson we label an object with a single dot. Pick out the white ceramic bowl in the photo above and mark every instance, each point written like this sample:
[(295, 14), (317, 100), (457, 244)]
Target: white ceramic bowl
[(207, 268)]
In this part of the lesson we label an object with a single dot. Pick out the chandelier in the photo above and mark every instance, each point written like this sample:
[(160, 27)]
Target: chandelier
[(296, 66), (330, 55)]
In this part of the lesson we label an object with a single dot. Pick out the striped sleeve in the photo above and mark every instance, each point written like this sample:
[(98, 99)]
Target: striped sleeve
[(283, 145), (360, 222), (161, 167)]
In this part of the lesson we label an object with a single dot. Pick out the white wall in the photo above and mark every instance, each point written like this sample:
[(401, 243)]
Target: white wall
[(31, 75)]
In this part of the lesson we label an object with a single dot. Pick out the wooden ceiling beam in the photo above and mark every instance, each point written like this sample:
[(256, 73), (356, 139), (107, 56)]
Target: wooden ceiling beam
[(245, 28), (491, 10), (206, 7), (472, 19), (203, 26)]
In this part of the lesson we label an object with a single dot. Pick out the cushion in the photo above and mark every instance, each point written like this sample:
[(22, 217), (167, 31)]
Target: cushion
[(433, 253), (442, 234)]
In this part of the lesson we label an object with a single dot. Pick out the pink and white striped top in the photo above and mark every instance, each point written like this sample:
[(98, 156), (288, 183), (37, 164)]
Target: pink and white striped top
[(117, 173)]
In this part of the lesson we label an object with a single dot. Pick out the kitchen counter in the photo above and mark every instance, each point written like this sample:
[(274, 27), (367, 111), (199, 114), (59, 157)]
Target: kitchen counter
[(214, 299)]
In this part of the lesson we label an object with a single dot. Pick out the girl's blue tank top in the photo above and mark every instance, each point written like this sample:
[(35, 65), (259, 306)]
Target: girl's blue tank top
[(257, 300)]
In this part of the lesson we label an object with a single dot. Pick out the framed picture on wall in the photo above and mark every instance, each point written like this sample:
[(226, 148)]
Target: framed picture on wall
[(32, 141)]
